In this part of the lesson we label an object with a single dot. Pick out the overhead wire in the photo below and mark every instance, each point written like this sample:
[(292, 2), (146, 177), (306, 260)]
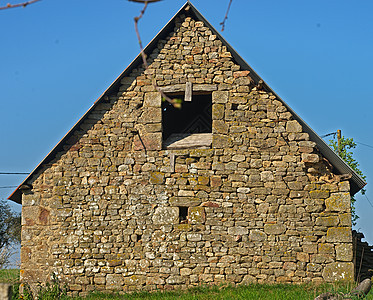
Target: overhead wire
[(13, 173)]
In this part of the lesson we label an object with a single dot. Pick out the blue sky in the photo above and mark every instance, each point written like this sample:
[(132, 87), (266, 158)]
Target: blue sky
[(57, 57)]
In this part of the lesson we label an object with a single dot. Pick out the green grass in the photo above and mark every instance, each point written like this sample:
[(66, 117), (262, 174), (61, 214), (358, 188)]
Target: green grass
[(254, 291), (9, 275), (262, 292)]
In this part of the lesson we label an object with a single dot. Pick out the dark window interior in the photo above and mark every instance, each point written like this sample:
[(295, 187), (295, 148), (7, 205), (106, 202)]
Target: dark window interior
[(183, 215), (193, 117)]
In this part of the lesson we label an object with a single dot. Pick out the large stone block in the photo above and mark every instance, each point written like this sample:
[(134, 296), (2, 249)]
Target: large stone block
[(152, 99), (330, 221), (184, 201), (220, 97), (147, 141), (237, 230), (151, 115), (156, 178), (134, 280), (344, 252), (339, 235), (217, 111), (293, 126), (274, 228), (196, 215), (338, 271), (319, 194), (339, 202), (257, 235), (166, 215), (310, 158), (221, 141)]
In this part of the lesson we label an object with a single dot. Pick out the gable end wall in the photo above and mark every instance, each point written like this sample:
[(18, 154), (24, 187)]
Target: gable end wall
[(263, 206)]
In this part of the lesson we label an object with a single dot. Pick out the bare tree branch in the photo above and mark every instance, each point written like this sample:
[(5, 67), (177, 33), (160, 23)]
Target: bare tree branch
[(23, 4), (226, 16), (174, 102)]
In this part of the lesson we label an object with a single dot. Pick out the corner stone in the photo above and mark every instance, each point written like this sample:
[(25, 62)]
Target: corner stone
[(339, 235), (338, 202), (338, 272)]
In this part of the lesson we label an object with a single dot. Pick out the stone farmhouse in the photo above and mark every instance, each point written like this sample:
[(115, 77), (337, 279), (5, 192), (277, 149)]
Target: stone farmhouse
[(232, 186)]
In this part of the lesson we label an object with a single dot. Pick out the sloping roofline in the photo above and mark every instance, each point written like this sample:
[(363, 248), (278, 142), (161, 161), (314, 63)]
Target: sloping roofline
[(356, 182)]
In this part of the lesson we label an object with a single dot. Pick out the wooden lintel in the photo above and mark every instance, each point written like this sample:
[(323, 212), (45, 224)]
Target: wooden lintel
[(188, 92), (205, 87), (180, 88), (174, 88)]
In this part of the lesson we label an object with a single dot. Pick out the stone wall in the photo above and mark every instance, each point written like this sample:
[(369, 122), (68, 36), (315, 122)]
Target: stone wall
[(262, 203)]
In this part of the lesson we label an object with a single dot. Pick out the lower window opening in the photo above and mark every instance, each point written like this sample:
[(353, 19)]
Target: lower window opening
[(183, 215)]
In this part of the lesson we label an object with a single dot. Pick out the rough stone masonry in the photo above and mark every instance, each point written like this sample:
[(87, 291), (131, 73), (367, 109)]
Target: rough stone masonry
[(261, 203)]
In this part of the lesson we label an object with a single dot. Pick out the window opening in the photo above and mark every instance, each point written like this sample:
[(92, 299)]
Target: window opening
[(183, 215), (138, 237), (193, 116), (234, 106)]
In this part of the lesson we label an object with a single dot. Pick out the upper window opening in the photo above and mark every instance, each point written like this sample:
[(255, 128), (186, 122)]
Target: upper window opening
[(194, 117)]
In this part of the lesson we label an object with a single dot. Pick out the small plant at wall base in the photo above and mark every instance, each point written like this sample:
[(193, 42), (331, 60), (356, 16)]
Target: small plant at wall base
[(343, 146)]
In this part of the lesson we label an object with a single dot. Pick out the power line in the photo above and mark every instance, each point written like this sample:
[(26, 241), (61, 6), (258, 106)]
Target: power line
[(8, 187), (13, 173), (364, 145), (368, 200)]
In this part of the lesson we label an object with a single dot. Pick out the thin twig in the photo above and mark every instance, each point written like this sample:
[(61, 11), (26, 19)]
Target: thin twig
[(226, 16), (23, 4), (143, 55)]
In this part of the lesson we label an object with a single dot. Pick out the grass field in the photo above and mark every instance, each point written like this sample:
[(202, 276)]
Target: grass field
[(9, 275), (263, 292), (254, 291)]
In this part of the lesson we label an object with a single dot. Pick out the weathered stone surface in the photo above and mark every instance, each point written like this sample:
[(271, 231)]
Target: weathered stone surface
[(329, 221), (152, 99), (274, 229), (114, 281), (156, 178), (339, 202), (166, 215), (339, 234), (196, 215), (238, 230), (148, 141), (220, 97), (338, 271), (257, 235), (184, 201), (293, 126), (310, 158), (344, 252), (194, 237)]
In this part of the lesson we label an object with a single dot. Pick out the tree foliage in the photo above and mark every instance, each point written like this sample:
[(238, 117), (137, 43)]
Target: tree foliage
[(344, 150), (10, 225)]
